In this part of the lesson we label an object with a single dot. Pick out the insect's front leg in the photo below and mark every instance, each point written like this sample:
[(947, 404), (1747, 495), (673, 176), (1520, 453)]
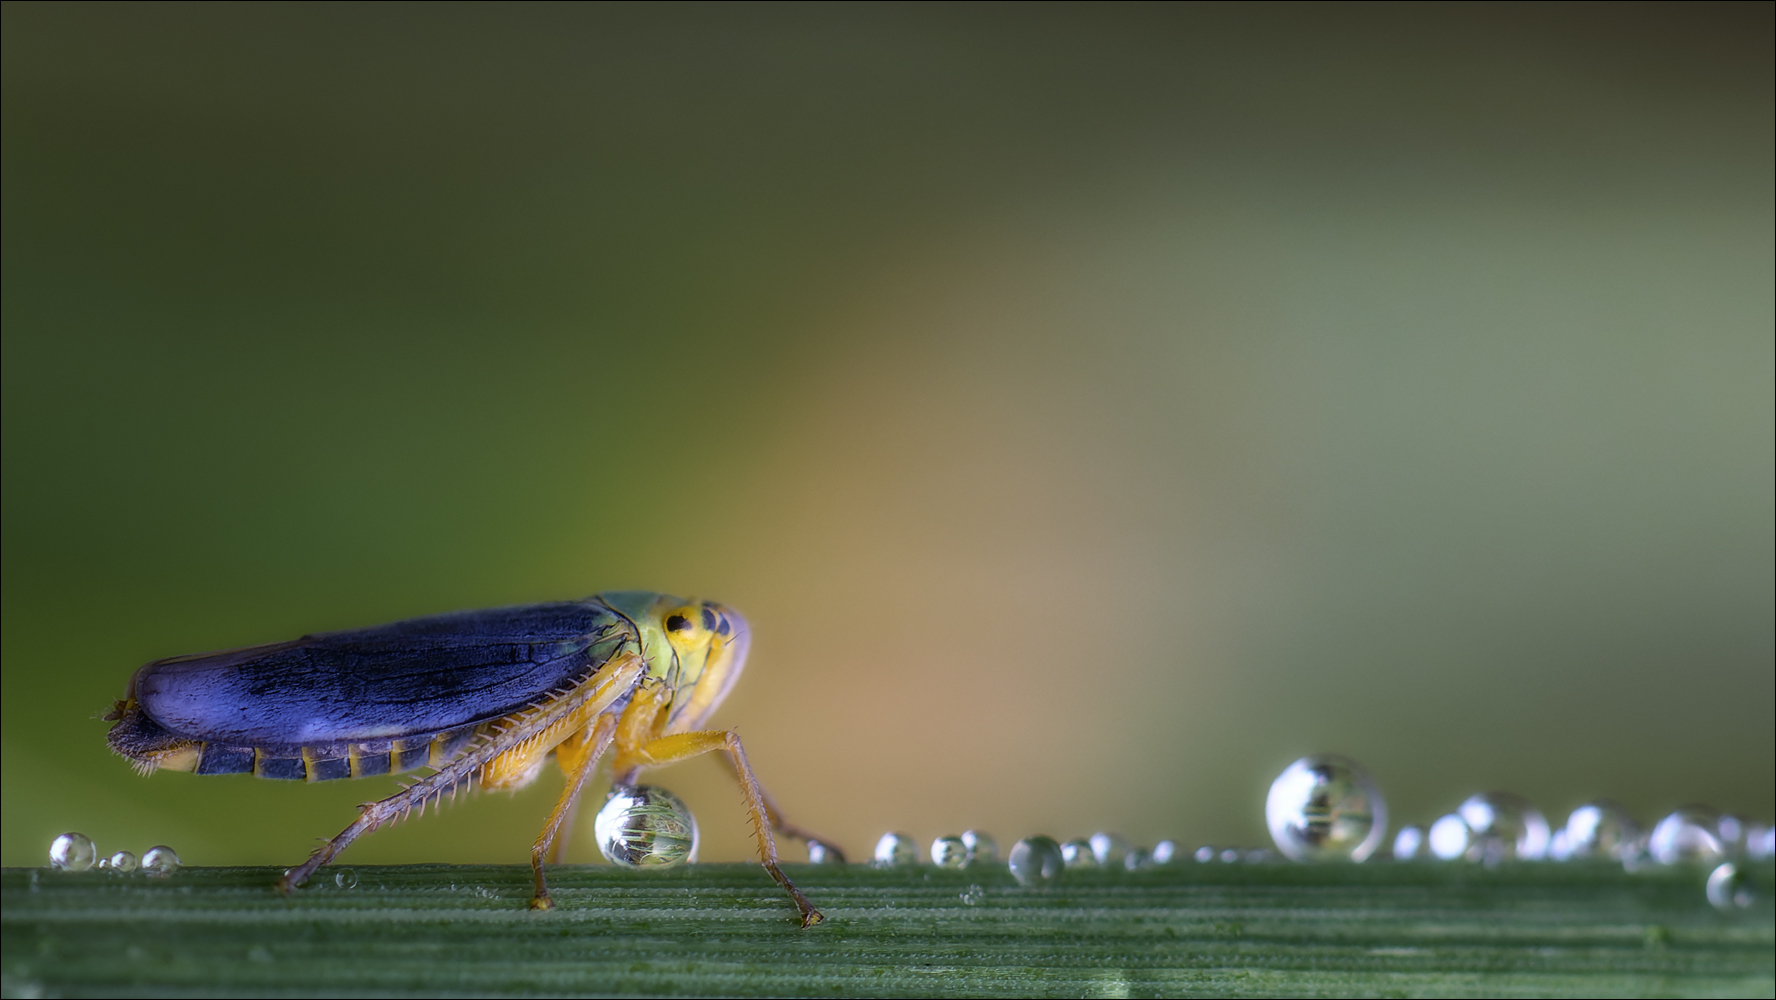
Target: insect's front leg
[(774, 813), (683, 746), (580, 760)]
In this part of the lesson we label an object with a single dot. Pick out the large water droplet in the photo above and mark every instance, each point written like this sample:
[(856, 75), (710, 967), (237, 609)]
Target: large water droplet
[(123, 862), (1689, 834), (1078, 854), (820, 853), (1729, 889), (1505, 826), (1450, 837), (1109, 848), (72, 852), (1600, 829), (642, 826), (982, 848), (1408, 843), (896, 850), (1036, 861), (1325, 808), (949, 852), (160, 861)]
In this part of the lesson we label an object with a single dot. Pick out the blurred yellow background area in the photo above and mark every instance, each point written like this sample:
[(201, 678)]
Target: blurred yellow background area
[(1092, 408)]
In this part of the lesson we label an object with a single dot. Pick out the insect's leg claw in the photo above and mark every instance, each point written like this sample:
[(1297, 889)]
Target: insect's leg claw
[(811, 916), (541, 901)]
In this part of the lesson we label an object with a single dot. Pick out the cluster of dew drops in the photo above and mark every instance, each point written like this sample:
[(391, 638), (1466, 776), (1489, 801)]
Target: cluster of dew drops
[(76, 852), (1323, 808)]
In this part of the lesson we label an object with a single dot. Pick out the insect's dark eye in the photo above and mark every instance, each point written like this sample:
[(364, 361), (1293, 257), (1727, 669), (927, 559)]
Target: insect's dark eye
[(708, 620), (677, 623), (721, 625)]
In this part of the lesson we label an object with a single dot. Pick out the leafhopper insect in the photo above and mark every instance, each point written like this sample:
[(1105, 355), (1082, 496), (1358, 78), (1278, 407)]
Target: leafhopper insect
[(480, 698)]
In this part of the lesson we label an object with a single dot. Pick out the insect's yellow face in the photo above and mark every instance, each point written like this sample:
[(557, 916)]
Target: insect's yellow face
[(698, 648)]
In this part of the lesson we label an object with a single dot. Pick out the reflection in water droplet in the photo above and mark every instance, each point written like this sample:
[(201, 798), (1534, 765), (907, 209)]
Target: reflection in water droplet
[(1078, 854), (123, 862), (1689, 834), (982, 848), (1450, 837), (1408, 843), (896, 850), (1137, 858), (1325, 808), (1164, 853), (643, 826), (824, 854), (949, 852), (72, 852), (1600, 829), (1205, 854), (1036, 861), (1504, 826), (973, 895), (1728, 889), (1109, 848), (160, 861)]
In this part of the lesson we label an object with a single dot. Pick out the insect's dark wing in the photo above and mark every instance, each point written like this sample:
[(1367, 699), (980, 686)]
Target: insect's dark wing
[(418, 676)]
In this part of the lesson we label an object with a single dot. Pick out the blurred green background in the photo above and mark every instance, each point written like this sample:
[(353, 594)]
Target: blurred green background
[(1093, 408)]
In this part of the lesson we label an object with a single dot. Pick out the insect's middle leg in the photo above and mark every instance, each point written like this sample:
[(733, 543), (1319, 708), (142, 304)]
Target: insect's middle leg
[(579, 756), (683, 746), (774, 813)]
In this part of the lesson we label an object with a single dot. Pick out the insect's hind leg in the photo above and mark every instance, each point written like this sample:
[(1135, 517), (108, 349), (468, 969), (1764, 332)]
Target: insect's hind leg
[(580, 769), (371, 816)]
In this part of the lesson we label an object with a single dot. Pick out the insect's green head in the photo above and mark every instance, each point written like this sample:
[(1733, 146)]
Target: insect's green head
[(698, 648)]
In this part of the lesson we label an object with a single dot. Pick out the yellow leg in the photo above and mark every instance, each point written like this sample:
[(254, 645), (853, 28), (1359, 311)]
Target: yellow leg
[(583, 764), (774, 813), (683, 746)]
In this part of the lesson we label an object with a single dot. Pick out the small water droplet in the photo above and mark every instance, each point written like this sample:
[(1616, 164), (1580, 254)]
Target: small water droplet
[(896, 850), (1449, 837), (1036, 861), (644, 826), (259, 953), (1205, 854), (820, 853), (982, 848), (949, 852), (1137, 858), (1325, 808), (1259, 856), (1760, 842), (345, 878), (160, 861), (1078, 853), (1731, 829), (1408, 843), (123, 862), (1109, 848), (1504, 826), (1229, 856), (1559, 846), (72, 852), (973, 895), (1689, 834), (1600, 829), (1728, 889), (1164, 853)]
